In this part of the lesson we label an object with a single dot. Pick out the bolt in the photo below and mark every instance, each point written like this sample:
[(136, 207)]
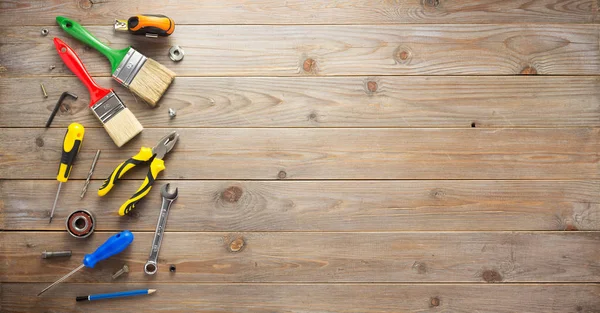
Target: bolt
[(53, 254), (172, 113), (120, 272), (172, 268)]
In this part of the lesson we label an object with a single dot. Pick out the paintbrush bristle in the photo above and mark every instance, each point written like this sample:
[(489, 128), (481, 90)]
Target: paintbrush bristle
[(123, 127), (151, 82)]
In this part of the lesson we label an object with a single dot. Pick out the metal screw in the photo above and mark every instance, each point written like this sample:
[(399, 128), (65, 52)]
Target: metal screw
[(172, 113), (44, 90), (53, 254), (120, 272), (45, 31)]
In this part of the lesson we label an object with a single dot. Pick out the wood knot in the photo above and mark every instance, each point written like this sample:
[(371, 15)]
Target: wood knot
[(431, 3), (281, 175), (64, 108), (571, 227), (232, 194), (438, 193), (372, 86), (236, 245), (309, 65), (420, 267), (434, 301), (85, 4), (528, 70), (579, 308), (133, 214), (39, 141), (402, 55), (312, 116), (491, 276)]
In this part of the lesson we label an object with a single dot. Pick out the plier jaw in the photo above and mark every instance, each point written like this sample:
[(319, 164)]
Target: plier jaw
[(165, 144), (154, 156)]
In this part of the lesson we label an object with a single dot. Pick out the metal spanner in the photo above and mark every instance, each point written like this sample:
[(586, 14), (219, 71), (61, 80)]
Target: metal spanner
[(151, 266)]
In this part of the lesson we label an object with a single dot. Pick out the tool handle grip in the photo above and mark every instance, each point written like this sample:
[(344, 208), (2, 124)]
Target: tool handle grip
[(144, 155), (70, 148), (80, 33), (156, 167), (73, 62), (160, 25), (114, 245)]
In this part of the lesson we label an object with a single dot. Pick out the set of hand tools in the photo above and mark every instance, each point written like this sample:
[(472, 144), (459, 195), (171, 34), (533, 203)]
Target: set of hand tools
[(148, 80)]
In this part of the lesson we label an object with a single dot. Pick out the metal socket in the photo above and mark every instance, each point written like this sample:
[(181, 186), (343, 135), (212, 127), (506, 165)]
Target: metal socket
[(80, 224)]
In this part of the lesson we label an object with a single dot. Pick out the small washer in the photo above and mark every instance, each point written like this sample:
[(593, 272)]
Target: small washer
[(176, 53), (45, 31), (80, 224)]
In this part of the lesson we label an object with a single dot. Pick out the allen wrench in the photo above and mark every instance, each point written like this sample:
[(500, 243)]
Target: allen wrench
[(57, 106)]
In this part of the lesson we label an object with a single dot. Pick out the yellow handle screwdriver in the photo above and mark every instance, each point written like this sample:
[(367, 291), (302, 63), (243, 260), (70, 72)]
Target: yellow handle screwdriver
[(70, 148)]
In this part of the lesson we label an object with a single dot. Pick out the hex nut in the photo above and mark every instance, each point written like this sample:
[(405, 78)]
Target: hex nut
[(176, 53)]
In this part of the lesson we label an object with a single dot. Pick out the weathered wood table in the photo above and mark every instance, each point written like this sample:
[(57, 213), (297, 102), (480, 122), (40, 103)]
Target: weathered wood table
[(335, 156)]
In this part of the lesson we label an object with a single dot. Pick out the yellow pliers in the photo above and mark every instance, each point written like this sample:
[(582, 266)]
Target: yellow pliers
[(153, 155)]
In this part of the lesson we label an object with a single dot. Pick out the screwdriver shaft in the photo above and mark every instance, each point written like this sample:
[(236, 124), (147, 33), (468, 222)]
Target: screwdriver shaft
[(61, 279), (55, 201)]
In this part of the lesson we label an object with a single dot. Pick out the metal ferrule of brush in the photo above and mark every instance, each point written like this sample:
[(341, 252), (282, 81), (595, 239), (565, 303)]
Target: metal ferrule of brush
[(108, 107), (132, 63)]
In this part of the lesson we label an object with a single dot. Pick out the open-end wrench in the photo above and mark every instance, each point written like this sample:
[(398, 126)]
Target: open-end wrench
[(151, 266)]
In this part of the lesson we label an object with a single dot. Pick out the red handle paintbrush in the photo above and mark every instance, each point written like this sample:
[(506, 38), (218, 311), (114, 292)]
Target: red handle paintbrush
[(116, 118)]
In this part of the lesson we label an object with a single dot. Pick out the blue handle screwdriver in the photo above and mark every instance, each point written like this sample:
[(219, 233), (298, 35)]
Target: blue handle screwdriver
[(114, 245)]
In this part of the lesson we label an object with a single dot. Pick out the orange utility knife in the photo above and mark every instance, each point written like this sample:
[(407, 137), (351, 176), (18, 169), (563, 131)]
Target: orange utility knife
[(147, 24)]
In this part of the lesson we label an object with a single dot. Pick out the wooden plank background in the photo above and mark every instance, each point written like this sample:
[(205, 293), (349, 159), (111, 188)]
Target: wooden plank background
[(318, 257), (350, 101), (338, 153), (311, 11), (413, 205), (335, 156), (316, 298), (323, 50)]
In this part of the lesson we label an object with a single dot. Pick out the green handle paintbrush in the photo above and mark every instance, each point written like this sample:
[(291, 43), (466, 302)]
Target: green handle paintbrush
[(74, 29), (145, 77)]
